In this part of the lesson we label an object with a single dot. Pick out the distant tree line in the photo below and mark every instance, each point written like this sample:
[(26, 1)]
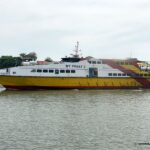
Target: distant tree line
[(10, 61)]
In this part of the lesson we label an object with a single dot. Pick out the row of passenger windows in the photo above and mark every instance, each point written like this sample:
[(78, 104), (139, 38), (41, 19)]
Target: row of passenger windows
[(128, 74), (117, 74), (119, 63), (56, 71), (124, 63)]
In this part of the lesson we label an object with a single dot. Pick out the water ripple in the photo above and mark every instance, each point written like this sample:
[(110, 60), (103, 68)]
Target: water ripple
[(75, 120)]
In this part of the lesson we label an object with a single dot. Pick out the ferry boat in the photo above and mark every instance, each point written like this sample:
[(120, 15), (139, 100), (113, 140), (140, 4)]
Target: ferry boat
[(76, 72)]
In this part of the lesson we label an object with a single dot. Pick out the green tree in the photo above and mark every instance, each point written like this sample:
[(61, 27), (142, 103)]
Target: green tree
[(9, 61), (48, 59), (22, 55), (32, 56)]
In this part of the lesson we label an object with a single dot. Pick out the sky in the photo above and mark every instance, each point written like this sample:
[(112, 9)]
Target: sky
[(104, 28)]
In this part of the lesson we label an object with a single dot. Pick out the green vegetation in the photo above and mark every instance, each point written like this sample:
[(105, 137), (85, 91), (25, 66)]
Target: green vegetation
[(28, 57), (48, 59), (10, 61)]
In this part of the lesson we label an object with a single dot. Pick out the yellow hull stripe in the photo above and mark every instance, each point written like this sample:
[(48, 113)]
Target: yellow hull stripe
[(68, 82)]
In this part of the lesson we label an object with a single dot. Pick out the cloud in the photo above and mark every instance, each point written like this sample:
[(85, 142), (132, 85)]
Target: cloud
[(107, 28)]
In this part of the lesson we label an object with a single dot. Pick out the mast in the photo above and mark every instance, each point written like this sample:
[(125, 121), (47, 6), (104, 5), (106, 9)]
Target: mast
[(76, 50)]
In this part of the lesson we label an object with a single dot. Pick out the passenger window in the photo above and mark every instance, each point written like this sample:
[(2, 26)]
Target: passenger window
[(33, 70), (73, 71), (51, 71), (45, 71), (56, 71), (39, 70), (62, 71), (67, 71), (114, 74)]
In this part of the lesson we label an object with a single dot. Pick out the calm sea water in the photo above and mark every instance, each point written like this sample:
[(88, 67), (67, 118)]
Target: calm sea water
[(75, 120)]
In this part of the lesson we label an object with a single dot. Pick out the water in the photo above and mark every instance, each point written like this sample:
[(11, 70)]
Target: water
[(75, 120)]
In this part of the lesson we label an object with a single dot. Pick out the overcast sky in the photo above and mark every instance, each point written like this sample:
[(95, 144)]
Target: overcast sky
[(104, 28)]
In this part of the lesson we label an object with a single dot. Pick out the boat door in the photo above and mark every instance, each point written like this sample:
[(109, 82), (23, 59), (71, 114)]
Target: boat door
[(93, 72)]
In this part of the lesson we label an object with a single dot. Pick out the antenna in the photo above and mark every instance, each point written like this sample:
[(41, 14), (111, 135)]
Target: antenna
[(76, 50)]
